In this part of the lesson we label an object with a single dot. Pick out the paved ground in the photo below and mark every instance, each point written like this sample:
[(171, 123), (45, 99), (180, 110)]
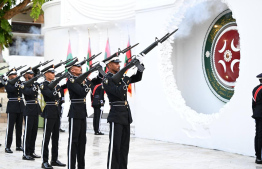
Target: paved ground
[(144, 154)]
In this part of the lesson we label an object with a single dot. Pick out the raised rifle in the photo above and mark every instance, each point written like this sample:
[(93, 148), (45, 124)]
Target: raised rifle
[(59, 74), (98, 67), (89, 59), (120, 51), (13, 81), (34, 69), (20, 67), (24, 71), (54, 83), (1, 68), (63, 63), (135, 62), (31, 81)]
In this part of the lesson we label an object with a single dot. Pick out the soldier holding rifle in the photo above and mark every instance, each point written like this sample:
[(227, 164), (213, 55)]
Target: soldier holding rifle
[(14, 110), (51, 114)]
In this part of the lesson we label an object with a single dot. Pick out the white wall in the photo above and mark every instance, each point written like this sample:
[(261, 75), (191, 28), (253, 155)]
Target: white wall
[(187, 60), (160, 111), (231, 128)]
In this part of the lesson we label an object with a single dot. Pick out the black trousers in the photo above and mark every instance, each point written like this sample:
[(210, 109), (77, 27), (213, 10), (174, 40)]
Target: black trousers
[(119, 138), (258, 138), (76, 143), (51, 127), (96, 120), (14, 119), (30, 133)]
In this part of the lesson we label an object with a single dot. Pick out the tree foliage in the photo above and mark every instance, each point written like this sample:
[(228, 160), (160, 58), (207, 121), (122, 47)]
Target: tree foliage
[(10, 8)]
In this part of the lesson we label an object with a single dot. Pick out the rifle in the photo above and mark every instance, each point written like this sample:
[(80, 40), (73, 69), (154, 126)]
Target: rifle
[(98, 67), (63, 63), (54, 83), (34, 69), (89, 59), (1, 68), (23, 72), (13, 81), (31, 81), (120, 51), (20, 67), (59, 74), (135, 62)]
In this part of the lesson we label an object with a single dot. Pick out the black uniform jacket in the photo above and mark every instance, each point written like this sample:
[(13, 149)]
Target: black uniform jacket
[(52, 108), (97, 95), (32, 107), (15, 102), (77, 94), (257, 101), (118, 93)]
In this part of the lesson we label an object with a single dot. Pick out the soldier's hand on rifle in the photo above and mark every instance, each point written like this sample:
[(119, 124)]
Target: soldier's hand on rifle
[(132, 71), (140, 58), (93, 75), (102, 64)]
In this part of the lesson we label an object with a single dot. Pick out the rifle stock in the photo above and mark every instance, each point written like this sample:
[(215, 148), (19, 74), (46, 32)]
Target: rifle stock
[(13, 81), (54, 83), (31, 81), (83, 76), (134, 62)]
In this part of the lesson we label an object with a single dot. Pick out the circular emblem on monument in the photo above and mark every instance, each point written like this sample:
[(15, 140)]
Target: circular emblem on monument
[(221, 56)]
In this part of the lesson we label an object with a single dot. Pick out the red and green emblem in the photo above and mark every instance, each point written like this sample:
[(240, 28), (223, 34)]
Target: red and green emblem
[(221, 56)]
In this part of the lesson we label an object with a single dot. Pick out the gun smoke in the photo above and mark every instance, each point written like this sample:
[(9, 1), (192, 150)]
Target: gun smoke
[(194, 13), (32, 45)]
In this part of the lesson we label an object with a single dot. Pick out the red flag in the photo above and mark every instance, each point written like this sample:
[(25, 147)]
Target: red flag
[(69, 56), (107, 52)]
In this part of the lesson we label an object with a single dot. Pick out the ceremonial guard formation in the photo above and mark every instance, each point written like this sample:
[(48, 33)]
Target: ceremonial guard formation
[(114, 83)]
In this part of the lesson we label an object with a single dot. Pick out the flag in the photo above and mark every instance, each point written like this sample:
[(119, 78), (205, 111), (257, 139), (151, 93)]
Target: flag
[(89, 55), (69, 52), (69, 56), (128, 55), (107, 52)]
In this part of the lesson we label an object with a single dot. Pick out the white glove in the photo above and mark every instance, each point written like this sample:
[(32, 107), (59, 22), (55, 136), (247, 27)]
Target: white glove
[(93, 75), (5, 77), (40, 80), (62, 82), (22, 79), (102, 108), (140, 58), (132, 71), (102, 64)]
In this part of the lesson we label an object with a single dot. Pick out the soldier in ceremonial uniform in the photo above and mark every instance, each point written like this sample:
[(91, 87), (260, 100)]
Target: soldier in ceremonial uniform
[(257, 115), (51, 114), (120, 115), (14, 110), (77, 117), (32, 110), (97, 98)]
